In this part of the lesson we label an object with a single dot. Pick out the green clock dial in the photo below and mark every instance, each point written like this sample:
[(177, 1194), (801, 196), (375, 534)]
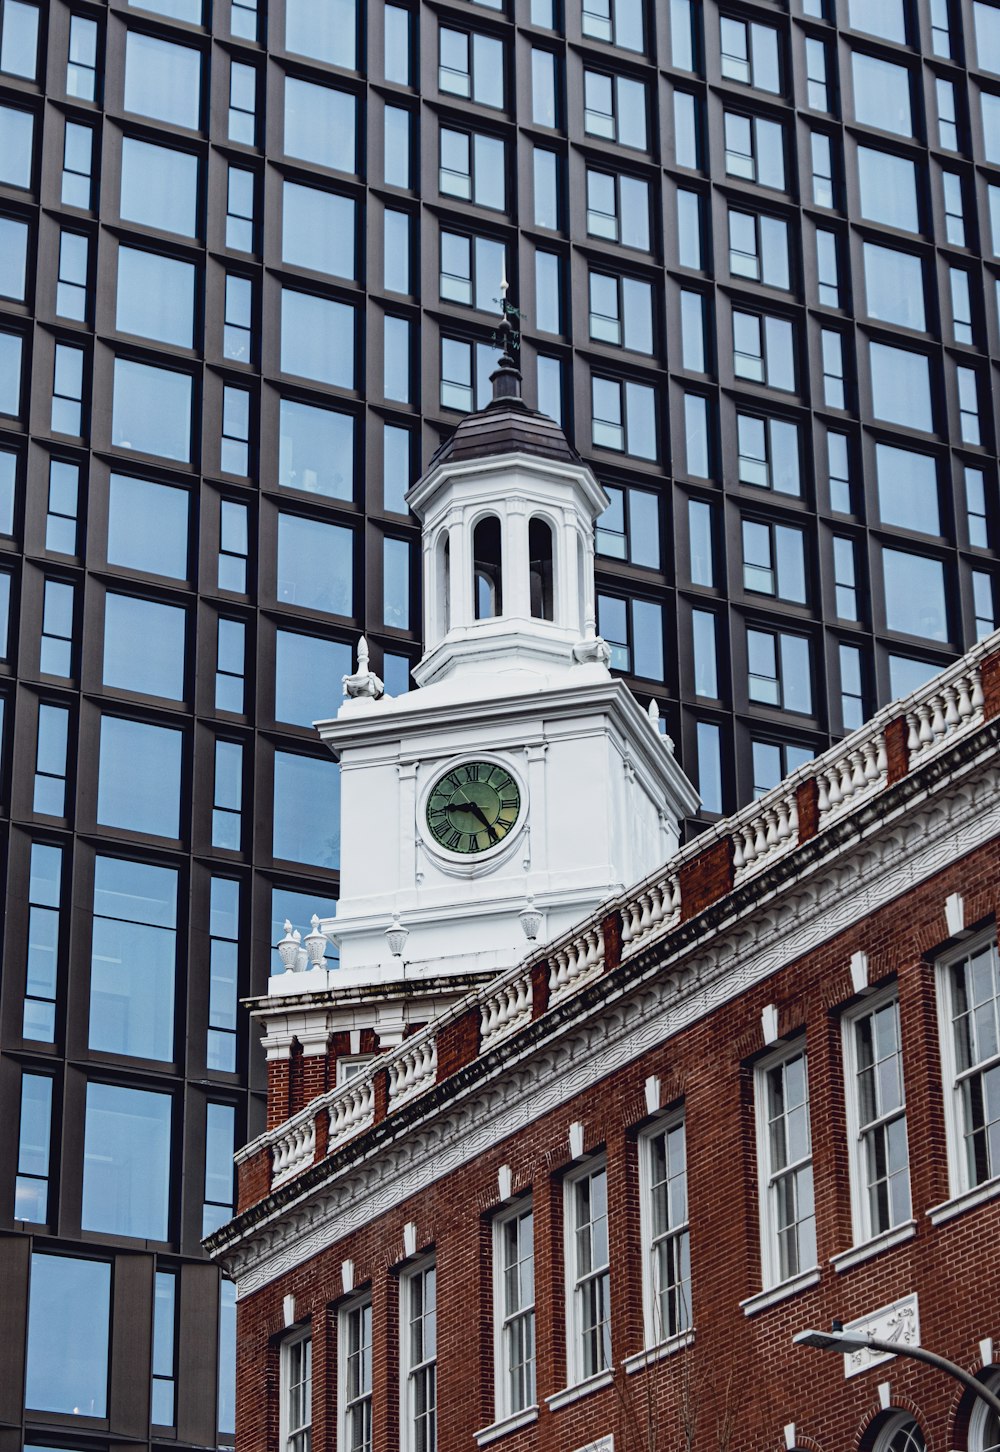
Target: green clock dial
[(473, 807)]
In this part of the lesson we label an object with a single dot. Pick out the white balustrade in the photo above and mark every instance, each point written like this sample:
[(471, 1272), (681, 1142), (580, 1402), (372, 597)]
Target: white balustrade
[(507, 1009), (772, 830), (657, 906), (957, 706), (293, 1151), (352, 1111), (852, 777), (413, 1071), (575, 963)]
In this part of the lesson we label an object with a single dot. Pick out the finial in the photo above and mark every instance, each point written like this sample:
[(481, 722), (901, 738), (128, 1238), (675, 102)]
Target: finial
[(288, 948), (530, 918), (506, 377), (395, 936), (654, 712), (363, 682)]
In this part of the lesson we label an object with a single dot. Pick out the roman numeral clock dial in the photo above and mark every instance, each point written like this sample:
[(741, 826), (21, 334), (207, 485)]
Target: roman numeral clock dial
[(473, 807)]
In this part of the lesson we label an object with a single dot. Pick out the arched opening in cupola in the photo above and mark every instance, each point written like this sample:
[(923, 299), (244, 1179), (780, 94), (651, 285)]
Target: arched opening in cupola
[(540, 570), (486, 568), (443, 574)]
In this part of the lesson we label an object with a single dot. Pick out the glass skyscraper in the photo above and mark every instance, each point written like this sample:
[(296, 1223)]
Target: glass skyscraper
[(250, 258)]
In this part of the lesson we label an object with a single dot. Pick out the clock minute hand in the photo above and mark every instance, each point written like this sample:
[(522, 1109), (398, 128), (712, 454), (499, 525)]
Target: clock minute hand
[(477, 811)]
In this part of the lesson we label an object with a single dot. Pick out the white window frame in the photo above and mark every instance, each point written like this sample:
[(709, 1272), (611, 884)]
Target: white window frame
[(407, 1370), (350, 1065), (958, 1175), (770, 1263), (344, 1314), (294, 1439), (654, 1334), (575, 1373), (861, 1219), (502, 1317)]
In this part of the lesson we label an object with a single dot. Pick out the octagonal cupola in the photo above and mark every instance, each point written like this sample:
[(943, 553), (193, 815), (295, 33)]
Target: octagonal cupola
[(508, 511)]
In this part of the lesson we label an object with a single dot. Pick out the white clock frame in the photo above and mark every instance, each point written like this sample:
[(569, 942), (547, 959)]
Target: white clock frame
[(466, 864)]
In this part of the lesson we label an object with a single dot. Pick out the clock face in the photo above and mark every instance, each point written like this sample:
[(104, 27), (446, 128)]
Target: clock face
[(473, 807)]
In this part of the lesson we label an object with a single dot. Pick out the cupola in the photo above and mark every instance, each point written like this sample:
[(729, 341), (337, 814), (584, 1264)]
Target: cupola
[(508, 510)]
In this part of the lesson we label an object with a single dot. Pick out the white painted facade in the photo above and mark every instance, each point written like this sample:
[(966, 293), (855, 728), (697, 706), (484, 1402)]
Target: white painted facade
[(600, 793)]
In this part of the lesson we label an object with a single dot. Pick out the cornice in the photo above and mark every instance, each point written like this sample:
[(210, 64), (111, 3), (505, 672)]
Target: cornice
[(945, 812)]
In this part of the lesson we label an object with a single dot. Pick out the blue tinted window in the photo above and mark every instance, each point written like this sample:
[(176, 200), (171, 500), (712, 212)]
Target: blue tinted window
[(8, 490), (317, 338), (317, 230), (148, 526), (49, 795), (159, 187), (323, 29), (16, 138), (894, 285), (316, 450), (306, 809), (907, 489), (42, 967), (227, 1358), (126, 1162), (888, 187), (315, 565), (906, 675), (220, 1144), (307, 674), (162, 80), (67, 1371), (19, 39), (151, 411), (139, 782), (709, 767), (31, 1187), (144, 646), (396, 467), (914, 595), (10, 373), (133, 959), (901, 386), (189, 10), (13, 257), (224, 926), (882, 94), (155, 297), (298, 908), (395, 673), (4, 612), (164, 1333), (320, 124), (396, 583)]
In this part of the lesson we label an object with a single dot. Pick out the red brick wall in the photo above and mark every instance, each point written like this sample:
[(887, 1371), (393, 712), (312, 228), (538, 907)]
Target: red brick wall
[(741, 1370)]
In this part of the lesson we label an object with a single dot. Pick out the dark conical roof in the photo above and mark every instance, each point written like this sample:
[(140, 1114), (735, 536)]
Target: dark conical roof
[(506, 425)]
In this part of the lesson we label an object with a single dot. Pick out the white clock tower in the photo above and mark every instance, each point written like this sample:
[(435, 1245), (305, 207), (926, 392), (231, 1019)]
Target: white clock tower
[(521, 777), (520, 786)]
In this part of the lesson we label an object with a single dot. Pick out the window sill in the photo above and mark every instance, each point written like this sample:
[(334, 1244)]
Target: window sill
[(771, 1297), (652, 1354), (505, 1425), (958, 1204), (859, 1253), (581, 1389)]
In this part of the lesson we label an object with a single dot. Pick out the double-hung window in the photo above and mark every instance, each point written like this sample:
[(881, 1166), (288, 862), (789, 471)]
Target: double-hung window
[(758, 248), (514, 1310), (618, 209), (876, 1118), (666, 1280), (296, 1393), (472, 167), (779, 670), (355, 1339), (588, 1303), (750, 53), (784, 1159), (418, 1369), (764, 349), (615, 108), (969, 986)]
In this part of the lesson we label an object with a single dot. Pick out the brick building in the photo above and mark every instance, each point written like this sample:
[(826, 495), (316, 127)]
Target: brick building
[(587, 1198)]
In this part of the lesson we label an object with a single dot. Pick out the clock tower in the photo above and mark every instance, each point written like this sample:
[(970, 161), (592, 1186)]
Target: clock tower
[(521, 784)]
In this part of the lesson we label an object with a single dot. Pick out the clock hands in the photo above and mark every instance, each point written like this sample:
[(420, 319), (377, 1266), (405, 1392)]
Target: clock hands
[(477, 811)]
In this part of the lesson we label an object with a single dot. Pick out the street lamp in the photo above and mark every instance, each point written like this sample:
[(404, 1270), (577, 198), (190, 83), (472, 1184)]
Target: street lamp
[(843, 1341)]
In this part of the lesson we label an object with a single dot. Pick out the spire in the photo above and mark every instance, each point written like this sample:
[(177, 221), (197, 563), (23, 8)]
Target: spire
[(506, 377)]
